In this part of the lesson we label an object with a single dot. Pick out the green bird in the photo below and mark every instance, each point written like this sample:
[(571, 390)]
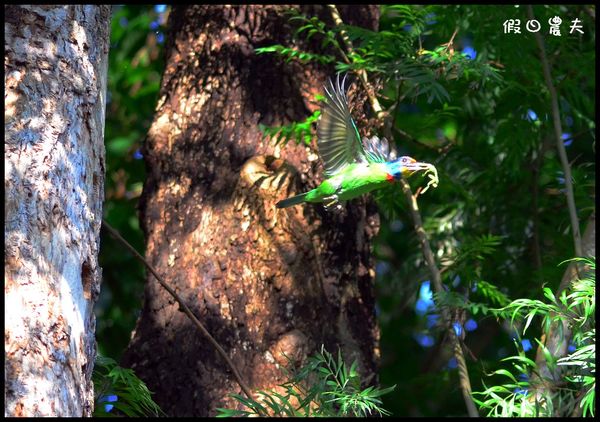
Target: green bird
[(352, 167)]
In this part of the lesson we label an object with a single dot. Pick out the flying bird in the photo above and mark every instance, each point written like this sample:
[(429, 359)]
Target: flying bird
[(353, 167)]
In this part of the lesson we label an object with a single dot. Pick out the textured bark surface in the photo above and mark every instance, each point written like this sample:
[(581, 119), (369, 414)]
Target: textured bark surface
[(55, 77), (264, 281)]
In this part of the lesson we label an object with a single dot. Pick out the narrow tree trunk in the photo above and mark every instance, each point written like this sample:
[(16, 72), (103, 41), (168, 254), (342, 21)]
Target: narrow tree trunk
[(264, 281), (558, 337), (55, 76)]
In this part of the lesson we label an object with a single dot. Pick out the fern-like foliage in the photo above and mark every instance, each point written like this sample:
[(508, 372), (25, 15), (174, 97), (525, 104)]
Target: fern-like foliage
[(297, 131), (491, 294), (294, 54), (466, 255), (511, 397), (575, 308), (119, 391), (394, 54), (325, 386), (313, 26)]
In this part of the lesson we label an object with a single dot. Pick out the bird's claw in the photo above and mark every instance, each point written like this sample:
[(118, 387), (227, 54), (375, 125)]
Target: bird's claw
[(332, 202)]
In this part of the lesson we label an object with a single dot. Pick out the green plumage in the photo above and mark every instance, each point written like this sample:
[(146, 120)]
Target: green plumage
[(352, 181)]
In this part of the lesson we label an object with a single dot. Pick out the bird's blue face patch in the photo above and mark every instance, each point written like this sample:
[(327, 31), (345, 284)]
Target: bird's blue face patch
[(399, 166)]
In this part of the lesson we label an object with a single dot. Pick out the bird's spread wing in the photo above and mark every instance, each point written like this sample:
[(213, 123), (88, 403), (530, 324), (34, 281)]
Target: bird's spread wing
[(378, 150), (338, 139)]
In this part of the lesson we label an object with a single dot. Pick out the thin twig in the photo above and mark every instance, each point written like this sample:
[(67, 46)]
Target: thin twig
[(559, 142), (362, 74), (114, 233), (536, 168), (465, 384), (451, 41)]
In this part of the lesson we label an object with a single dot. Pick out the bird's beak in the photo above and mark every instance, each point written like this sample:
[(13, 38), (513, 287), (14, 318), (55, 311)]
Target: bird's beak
[(416, 166)]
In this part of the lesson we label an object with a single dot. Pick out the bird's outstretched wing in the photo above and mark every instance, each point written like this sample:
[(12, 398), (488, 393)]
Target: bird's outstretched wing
[(338, 139), (378, 150)]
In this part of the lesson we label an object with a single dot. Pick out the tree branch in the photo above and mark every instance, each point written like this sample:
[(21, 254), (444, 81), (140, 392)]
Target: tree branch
[(535, 217), (465, 383), (362, 74), (183, 307), (559, 143)]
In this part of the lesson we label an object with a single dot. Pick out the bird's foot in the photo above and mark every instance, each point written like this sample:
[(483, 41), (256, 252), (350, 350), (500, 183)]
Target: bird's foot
[(331, 202)]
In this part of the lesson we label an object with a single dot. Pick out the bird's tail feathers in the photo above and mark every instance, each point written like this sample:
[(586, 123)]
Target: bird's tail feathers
[(294, 200)]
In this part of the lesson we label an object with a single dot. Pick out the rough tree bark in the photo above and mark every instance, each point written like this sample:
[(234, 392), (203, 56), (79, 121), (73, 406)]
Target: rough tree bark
[(263, 280), (55, 76)]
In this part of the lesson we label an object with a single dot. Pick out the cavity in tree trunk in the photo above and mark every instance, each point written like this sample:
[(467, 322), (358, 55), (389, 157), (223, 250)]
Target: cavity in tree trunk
[(263, 280), (55, 76)]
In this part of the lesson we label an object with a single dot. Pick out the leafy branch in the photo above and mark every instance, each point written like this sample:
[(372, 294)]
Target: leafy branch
[(295, 54), (298, 131), (472, 249), (491, 293), (324, 386), (119, 388), (573, 389), (313, 26)]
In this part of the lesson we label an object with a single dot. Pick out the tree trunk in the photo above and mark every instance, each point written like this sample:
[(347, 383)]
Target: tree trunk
[(263, 280), (55, 76), (558, 337)]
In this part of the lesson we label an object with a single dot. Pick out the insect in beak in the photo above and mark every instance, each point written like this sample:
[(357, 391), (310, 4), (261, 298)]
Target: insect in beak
[(430, 172)]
